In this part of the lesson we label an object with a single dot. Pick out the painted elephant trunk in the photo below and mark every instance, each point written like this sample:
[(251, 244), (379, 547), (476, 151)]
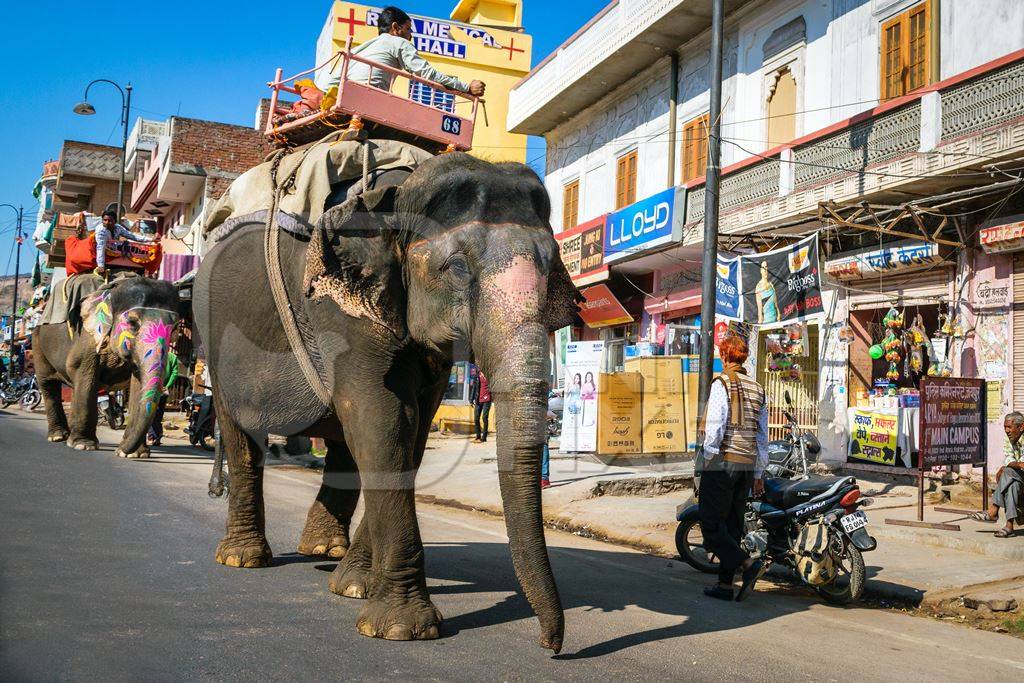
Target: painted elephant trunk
[(520, 388), (150, 348)]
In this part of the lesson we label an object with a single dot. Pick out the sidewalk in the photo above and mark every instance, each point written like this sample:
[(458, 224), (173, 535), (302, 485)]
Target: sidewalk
[(909, 565)]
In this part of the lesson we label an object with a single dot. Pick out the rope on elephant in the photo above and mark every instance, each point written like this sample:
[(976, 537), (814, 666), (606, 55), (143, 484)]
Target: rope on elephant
[(272, 254)]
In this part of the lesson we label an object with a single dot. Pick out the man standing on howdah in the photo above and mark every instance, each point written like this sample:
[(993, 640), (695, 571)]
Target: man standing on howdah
[(735, 453)]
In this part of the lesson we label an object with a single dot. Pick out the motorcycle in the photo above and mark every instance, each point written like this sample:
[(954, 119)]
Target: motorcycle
[(810, 524), (554, 414), (111, 407), (202, 420), (17, 390)]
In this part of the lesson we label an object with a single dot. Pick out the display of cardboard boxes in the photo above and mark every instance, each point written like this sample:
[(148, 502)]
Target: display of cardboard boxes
[(619, 414)]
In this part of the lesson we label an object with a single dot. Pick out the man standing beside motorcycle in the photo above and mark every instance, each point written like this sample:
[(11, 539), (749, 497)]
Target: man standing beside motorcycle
[(735, 455)]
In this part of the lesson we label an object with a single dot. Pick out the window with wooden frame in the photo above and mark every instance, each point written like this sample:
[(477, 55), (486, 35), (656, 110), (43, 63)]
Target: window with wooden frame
[(695, 148), (570, 204), (906, 51), (625, 180)]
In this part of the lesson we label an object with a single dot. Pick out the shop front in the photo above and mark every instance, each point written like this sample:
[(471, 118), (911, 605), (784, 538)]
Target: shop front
[(904, 323)]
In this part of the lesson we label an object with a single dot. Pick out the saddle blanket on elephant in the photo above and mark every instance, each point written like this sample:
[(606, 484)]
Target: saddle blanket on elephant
[(65, 301), (309, 174)]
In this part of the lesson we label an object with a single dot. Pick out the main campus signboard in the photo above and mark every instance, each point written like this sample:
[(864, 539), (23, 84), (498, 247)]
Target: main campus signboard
[(644, 225)]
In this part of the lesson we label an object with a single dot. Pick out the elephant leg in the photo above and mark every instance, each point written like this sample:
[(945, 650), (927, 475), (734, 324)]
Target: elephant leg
[(245, 543), (382, 435), (84, 412), (56, 419), (350, 578), (327, 524)]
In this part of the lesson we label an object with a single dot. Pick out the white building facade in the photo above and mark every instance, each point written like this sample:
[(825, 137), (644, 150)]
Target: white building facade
[(823, 102)]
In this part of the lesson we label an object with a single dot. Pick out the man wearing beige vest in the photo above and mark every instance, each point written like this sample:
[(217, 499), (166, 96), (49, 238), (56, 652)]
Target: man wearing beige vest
[(735, 455)]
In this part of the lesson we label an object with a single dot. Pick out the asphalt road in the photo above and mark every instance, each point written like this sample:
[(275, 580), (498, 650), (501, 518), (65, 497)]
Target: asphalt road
[(107, 572)]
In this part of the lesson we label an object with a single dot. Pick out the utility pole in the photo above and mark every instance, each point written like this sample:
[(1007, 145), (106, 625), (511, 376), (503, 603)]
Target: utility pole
[(14, 297), (709, 267)]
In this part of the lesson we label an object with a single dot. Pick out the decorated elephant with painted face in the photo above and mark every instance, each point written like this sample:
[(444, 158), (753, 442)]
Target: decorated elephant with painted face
[(123, 333), (384, 292)]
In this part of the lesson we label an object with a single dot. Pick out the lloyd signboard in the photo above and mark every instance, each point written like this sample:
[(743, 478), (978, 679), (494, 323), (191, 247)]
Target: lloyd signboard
[(647, 224)]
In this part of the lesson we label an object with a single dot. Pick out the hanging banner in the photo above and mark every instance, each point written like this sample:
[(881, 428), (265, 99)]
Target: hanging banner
[(782, 285), (728, 303), (579, 412)]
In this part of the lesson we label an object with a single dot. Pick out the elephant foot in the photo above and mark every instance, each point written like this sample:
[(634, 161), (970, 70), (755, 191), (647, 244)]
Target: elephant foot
[(333, 547), (349, 581), (57, 435), (141, 453), (417, 619), (80, 444), (244, 553)]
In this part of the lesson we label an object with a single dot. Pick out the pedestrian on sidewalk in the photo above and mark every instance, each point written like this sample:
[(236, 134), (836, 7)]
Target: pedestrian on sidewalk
[(480, 397), (1009, 491), (735, 455)]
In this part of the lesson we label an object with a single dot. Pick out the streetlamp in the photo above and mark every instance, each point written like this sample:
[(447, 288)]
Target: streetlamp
[(85, 109), (14, 298)]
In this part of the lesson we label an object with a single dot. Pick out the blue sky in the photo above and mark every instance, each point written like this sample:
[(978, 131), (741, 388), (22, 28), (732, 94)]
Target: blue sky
[(207, 60)]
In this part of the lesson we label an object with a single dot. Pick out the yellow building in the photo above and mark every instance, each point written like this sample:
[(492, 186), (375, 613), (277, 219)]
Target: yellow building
[(483, 40)]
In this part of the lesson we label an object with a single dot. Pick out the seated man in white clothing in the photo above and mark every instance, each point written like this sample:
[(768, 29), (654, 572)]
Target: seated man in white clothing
[(393, 47)]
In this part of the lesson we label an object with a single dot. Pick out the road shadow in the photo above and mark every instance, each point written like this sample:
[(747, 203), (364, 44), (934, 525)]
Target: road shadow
[(674, 591)]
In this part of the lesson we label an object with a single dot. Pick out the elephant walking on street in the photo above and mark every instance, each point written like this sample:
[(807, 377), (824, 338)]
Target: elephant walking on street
[(122, 333), (386, 290)]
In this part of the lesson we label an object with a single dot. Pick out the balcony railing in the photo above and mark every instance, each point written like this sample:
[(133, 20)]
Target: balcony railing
[(966, 121)]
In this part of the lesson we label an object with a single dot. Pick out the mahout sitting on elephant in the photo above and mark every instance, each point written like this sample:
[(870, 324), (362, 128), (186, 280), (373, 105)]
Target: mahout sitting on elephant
[(121, 333), (386, 289)]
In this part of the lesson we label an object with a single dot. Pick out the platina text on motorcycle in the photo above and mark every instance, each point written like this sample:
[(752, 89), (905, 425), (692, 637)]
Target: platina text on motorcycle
[(811, 524)]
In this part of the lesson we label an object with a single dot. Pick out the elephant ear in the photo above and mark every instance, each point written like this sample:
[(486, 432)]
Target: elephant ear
[(97, 318), (353, 260), (562, 297)]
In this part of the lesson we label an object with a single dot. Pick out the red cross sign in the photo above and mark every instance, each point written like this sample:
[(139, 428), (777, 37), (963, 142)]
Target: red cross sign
[(351, 21), (512, 48)]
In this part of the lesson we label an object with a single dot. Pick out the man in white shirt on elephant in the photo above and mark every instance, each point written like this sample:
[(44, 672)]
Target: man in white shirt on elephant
[(394, 48)]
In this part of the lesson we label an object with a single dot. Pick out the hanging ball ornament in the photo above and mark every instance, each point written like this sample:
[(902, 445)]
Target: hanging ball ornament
[(876, 351)]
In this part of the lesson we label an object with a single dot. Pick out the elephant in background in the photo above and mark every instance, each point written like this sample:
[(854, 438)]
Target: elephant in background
[(388, 288), (123, 333)]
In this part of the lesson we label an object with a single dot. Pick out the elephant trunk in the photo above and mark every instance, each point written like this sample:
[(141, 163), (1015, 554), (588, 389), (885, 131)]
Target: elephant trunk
[(149, 349), (519, 383)]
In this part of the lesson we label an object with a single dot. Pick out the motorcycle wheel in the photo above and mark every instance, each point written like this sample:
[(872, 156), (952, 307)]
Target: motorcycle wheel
[(31, 400), (208, 442), (690, 545), (849, 584), (114, 418)]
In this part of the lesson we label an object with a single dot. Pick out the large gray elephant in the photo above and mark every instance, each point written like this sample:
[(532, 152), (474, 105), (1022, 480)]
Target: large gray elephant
[(122, 333), (386, 289)]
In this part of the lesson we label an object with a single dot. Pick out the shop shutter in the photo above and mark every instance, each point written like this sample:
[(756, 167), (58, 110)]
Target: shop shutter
[(1018, 332), (927, 287)]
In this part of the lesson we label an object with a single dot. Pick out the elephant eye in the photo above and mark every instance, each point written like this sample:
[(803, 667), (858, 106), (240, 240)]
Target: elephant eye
[(458, 267)]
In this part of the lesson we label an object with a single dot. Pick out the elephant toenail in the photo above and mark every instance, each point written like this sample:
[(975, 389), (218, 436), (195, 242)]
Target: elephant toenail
[(398, 632), (430, 633)]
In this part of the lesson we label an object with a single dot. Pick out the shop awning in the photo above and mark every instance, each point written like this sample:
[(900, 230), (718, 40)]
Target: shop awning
[(673, 302), (601, 309)]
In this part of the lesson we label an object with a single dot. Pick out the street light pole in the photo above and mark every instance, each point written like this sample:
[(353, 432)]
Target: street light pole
[(85, 109), (709, 267), (14, 297)]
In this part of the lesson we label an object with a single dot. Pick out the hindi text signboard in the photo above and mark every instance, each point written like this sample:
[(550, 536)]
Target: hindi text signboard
[(952, 421), (874, 435)]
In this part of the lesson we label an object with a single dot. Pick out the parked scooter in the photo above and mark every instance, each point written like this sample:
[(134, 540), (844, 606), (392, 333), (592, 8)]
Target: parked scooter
[(811, 524), (32, 397), (201, 427)]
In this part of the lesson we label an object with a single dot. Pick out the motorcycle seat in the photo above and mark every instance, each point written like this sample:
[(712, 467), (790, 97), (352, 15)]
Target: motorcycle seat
[(788, 493)]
